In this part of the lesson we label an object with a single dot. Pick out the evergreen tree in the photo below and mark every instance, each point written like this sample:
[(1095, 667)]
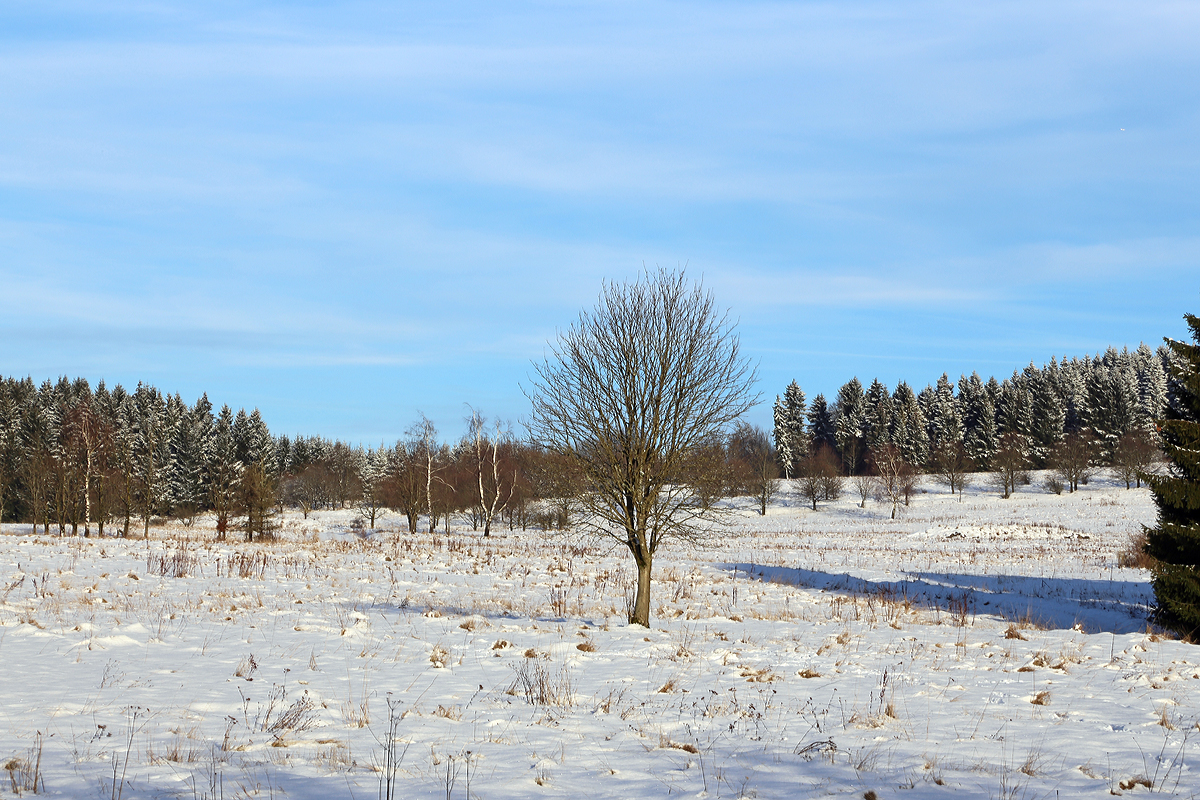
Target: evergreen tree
[(1175, 541), (1048, 415), (795, 407), (187, 483), (9, 432), (150, 452), (1071, 382), (909, 426), (943, 416), (821, 428), (1014, 411), (1152, 388), (1112, 397), (848, 424), (283, 455), (223, 470), (980, 439), (784, 447), (877, 417)]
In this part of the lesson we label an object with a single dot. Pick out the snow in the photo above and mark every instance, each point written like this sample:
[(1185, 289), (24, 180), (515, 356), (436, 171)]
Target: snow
[(972, 648)]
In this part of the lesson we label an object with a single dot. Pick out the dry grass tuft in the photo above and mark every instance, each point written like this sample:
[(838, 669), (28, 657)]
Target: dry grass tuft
[(1133, 783), (687, 747), (1041, 699), (1134, 555)]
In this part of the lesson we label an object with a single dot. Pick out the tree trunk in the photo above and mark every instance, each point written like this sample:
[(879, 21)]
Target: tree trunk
[(641, 605)]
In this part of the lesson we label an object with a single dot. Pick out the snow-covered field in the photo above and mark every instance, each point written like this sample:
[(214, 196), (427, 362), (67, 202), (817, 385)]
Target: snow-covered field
[(978, 648)]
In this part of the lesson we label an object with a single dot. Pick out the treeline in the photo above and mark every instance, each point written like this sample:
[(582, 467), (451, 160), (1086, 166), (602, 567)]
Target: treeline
[(1069, 416), (78, 459)]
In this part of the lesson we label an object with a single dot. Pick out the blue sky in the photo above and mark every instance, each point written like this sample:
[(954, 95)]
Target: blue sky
[(346, 214)]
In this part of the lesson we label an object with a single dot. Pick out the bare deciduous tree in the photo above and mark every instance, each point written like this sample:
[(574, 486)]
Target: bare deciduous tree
[(1072, 460), (952, 466), (493, 466), (819, 478), (755, 467), (893, 474), (865, 486), (1135, 454), (631, 391), (1011, 463), (405, 483)]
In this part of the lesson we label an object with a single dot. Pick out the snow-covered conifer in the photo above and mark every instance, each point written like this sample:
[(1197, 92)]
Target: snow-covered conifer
[(821, 429), (909, 431), (943, 416), (848, 423), (980, 439), (877, 416), (784, 443)]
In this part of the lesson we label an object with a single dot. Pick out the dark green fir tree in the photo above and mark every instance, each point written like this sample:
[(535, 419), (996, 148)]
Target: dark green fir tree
[(1175, 542)]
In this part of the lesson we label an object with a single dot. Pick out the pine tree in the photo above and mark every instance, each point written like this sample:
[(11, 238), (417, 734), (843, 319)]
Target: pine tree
[(1175, 541)]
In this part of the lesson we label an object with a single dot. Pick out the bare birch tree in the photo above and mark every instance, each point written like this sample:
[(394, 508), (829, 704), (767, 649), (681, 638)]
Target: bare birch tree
[(494, 467), (630, 392)]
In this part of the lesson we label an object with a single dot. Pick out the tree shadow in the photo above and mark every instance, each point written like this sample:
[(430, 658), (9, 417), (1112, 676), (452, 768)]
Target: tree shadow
[(1112, 606)]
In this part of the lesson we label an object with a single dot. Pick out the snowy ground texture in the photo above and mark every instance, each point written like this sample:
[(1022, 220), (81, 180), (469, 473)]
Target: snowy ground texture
[(985, 648)]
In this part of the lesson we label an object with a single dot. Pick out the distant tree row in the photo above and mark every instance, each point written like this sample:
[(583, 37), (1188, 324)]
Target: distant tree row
[(1069, 416), (78, 459)]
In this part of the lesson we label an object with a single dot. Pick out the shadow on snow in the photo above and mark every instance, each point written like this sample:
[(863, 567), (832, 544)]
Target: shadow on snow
[(1111, 606)]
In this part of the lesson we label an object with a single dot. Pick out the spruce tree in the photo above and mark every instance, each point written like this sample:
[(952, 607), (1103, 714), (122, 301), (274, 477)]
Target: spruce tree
[(908, 426), (877, 425), (980, 440), (821, 430), (784, 449), (223, 470), (943, 415), (1175, 542), (1048, 414), (795, 406), (848, 427)]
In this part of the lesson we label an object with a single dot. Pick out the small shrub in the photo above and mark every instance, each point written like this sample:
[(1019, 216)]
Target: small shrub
[(540, 687), (1134, 554), (1053, 484)]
